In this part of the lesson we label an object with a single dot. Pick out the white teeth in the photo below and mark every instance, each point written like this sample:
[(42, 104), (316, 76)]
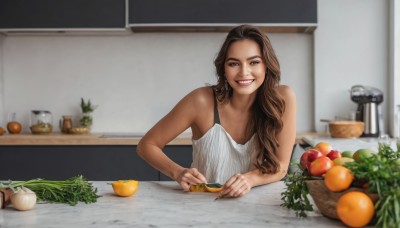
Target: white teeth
[(245, 82)]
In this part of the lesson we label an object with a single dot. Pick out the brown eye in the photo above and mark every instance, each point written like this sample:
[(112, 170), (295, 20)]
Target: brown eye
[(232, 64)]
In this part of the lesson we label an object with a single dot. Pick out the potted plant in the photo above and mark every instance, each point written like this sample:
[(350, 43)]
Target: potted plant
[(87, 110)]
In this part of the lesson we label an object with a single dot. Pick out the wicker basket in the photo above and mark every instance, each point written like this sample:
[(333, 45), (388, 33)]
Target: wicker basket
[(326, 200), (346, 129)]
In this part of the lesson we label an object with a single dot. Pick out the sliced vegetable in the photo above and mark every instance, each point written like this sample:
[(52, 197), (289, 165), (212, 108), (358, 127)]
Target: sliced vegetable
[(198, 188), (214, 187)]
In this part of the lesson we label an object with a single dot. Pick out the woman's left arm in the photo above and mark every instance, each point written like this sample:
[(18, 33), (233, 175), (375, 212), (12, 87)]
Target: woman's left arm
[(241, 184)]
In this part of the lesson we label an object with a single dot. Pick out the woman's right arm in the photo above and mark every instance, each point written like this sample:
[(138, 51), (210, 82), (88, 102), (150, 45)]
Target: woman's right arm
[(181, 117)]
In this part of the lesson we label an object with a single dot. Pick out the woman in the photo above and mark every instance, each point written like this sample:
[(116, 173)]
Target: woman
[(243, 128)]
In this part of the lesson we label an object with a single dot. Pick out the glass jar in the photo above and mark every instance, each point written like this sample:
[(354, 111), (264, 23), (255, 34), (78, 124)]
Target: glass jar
[(41, 122), (86, 120)]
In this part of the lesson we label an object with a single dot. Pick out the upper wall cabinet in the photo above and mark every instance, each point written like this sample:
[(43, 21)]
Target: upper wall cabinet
[(48, 15), (222, 15)]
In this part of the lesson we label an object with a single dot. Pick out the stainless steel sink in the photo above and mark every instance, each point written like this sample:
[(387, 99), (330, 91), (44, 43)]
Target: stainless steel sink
[(122, 135)]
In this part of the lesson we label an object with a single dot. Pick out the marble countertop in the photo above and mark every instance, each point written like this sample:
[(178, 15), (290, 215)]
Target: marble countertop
[(164, 204)]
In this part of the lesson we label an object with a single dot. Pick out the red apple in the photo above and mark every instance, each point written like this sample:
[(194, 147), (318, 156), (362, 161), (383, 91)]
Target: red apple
[(309, 156), (320, 165), (333, 154)]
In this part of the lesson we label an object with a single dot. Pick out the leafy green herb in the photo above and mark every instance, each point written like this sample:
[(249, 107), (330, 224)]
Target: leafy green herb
[(382, 173), (87, 106), (295, 195), (69, 191), (387, 152)]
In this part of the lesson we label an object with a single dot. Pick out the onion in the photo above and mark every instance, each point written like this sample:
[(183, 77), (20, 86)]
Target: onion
[(23, 199)]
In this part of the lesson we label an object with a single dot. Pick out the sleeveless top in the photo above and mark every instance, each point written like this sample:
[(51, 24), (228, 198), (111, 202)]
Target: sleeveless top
[(218, 157)]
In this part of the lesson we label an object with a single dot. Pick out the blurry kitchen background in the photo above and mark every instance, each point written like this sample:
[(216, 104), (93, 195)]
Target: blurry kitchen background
[(137, 78)]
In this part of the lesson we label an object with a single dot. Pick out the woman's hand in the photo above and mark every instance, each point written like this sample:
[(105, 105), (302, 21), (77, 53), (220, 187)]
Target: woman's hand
[(190, 177), (236, 186)]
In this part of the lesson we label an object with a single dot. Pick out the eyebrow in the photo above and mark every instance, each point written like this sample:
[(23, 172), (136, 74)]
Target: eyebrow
[(250, 58)]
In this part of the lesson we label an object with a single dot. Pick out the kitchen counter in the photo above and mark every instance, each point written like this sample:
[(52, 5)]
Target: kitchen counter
[(94, 139), (84, 139), (164, 204)]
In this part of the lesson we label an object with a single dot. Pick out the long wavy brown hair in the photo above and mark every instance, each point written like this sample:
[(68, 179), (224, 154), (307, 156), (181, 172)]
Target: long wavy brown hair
[(268, 107)]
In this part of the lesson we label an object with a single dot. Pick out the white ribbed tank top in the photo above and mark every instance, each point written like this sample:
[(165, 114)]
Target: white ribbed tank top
[(218, 157)]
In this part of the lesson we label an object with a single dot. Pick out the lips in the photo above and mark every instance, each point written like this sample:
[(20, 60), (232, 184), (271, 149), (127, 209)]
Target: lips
[(245, 82)]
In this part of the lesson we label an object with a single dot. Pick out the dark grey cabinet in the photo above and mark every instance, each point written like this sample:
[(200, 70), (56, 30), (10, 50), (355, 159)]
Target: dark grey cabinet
[(62, 14), (221, 13), (101, 163), (179, 154)]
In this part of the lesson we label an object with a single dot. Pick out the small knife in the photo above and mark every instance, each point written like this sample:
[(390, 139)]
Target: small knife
[(220, 196)]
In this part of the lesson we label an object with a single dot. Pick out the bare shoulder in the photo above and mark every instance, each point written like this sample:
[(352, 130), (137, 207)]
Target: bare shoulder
[(286, 92), (201, 98)]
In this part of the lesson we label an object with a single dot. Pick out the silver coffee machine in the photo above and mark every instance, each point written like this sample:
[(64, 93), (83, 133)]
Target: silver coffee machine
[(368, 110)]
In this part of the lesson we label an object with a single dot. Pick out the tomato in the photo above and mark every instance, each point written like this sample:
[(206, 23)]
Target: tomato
[(125, 187), (320, 165)]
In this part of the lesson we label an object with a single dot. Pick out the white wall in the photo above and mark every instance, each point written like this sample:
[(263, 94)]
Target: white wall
[(135, 79), (351, 47)]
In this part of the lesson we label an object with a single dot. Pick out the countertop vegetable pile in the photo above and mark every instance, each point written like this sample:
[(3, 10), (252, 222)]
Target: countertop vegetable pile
[(70, 191), (377, 173)]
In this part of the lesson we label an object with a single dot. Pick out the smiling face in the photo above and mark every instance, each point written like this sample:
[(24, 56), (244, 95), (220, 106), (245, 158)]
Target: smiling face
[(244, 67)]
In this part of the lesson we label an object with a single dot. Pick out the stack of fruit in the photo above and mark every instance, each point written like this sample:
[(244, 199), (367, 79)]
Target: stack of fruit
[(346, 183)]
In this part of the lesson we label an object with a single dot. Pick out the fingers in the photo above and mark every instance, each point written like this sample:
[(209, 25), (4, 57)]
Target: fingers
[(190, 177), (236, 186), (198, 176), (185, 186)]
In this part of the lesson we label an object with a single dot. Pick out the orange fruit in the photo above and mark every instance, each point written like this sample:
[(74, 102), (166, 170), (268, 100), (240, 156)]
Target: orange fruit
[(355, 209), (214, 187), (125, 187), (198, 188), (323, 147), (1, 131), (338, 178)]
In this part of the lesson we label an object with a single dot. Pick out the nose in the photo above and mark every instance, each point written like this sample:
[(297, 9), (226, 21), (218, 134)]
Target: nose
[(245, 70)]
